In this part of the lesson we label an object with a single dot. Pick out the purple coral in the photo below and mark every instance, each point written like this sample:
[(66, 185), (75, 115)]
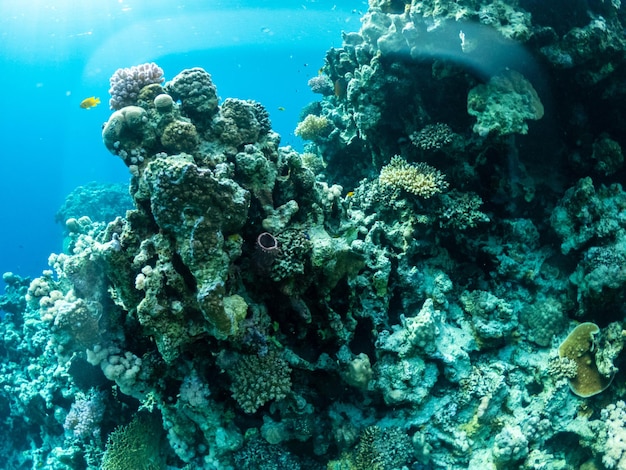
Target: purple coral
[(127, 83), (321, 84), (85, 415)]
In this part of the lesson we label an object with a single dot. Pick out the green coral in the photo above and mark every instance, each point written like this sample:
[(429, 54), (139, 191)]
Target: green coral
[(378, 449), (504, 104), (136, 446), (257, 379)]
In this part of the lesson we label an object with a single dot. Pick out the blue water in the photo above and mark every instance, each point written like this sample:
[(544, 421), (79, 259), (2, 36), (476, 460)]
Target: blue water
[(52, 57)]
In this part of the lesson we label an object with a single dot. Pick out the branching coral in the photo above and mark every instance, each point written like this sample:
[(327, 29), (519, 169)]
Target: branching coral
[(420, 179), (126, 83), (312, 127), (135, 445), (378, 449), (259, 379), (432, 136)]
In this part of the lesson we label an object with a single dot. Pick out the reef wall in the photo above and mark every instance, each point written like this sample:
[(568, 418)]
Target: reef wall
[(436, 282)]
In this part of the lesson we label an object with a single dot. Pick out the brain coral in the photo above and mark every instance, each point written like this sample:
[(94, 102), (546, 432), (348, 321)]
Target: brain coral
[(127, 83)]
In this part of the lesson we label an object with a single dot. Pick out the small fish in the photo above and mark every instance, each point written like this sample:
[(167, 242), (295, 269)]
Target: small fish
[(350, 194), (90, 102), (341, 88), (281, 108)]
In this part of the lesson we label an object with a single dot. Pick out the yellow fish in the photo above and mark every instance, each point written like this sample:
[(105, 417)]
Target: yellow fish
[(90, 102)]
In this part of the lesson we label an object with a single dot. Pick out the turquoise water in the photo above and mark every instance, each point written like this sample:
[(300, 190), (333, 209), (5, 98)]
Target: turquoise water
[(55, 54)]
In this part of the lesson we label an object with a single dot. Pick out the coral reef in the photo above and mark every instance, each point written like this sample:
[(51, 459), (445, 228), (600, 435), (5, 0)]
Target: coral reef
[(197, 93), (135, 445), (350, 307)]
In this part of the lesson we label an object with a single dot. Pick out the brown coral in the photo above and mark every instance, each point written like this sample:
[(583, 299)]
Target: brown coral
[(180, 136)]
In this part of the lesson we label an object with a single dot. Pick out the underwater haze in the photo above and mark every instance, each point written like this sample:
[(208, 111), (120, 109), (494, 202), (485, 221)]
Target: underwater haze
[(54, 54), (387, 235)]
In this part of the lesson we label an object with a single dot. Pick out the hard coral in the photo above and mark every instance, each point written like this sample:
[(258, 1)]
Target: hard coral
[(382, 449), (180, 136), (197, 93), (259, 379), (504, 104), (419, 179), (242, 122), (312, 127), (580, 347), (126, 83), (136, 445), (432, 137)]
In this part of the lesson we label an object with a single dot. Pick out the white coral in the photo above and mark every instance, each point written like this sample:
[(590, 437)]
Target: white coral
[(614, 415)]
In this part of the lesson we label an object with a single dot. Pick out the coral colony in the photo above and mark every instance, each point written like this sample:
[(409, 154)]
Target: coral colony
[(437, 282)]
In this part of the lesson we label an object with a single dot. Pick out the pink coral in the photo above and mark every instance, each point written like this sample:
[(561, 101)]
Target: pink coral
[(127, 83)]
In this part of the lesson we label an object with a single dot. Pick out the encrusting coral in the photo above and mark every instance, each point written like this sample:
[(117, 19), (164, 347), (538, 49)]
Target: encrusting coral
[(504, 105)]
